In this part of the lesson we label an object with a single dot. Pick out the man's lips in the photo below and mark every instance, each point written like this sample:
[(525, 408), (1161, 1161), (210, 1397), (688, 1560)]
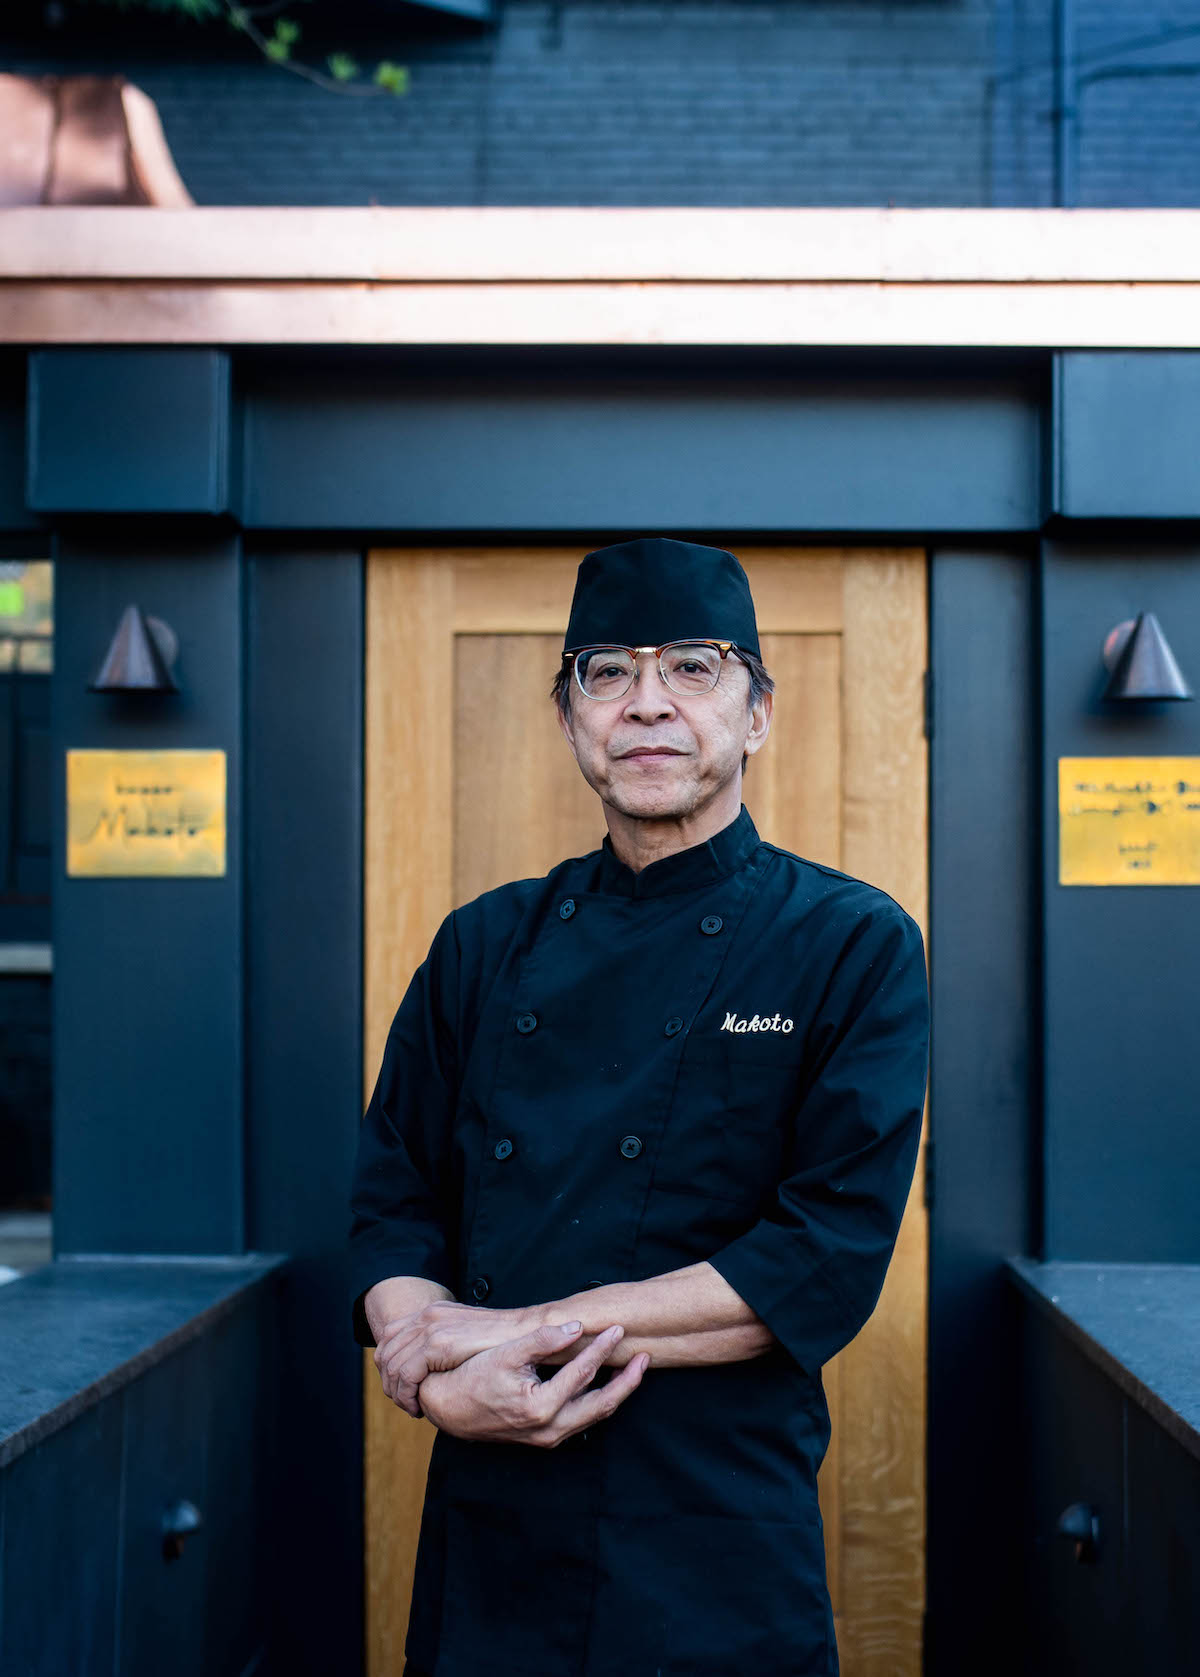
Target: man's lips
[(652, 751)]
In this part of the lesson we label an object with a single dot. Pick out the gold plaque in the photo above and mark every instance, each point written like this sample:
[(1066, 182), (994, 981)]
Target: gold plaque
[(1129, 820), (152, 813)]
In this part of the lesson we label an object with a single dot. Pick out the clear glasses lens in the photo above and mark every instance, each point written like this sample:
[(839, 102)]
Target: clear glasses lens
[(690, 669), (607, 672)]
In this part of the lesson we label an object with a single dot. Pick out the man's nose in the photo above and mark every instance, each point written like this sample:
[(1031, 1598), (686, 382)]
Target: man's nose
[(649, 696)]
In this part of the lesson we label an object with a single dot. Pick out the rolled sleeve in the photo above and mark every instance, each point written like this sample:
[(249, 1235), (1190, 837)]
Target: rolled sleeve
[(812, 1268), (400, 1205)]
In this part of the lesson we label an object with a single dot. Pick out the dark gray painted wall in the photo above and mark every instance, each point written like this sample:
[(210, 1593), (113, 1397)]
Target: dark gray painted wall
[(15, 516), (984, 937), (304, 1091), (556, 441), (1122, 985), (148, 1036), (208, 1038), (1125, 434), (91, 408)]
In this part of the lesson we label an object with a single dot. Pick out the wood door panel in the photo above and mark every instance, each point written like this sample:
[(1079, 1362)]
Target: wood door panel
[(793, 787), (520, 802), (469, 783)]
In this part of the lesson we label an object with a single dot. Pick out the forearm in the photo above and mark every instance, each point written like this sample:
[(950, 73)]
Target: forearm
[(399, 1296), (684, 1318)]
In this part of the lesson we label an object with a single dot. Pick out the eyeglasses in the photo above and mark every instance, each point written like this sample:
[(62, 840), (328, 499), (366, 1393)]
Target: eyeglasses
[(687, 667)]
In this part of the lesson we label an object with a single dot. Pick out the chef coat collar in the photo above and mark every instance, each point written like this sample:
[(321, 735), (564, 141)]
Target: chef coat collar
[(683, 870)]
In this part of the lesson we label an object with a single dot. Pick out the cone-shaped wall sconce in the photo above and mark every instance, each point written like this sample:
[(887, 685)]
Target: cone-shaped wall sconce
[(139, 657), (1142, 664)]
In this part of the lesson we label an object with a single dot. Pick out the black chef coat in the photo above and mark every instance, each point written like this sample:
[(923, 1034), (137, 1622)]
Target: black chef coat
[(599, 1076)]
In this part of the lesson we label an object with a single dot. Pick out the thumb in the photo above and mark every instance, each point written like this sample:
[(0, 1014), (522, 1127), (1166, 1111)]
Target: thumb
[(543, 1342)]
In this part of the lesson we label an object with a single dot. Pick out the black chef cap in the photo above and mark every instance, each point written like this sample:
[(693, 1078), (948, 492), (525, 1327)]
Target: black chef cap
[(655, 589)]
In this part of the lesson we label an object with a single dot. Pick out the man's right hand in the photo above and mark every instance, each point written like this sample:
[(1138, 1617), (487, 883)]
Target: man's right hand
[(498, 1397)]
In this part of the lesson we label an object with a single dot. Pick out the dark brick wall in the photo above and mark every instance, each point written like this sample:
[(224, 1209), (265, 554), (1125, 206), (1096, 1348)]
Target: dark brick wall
[(819, 102)]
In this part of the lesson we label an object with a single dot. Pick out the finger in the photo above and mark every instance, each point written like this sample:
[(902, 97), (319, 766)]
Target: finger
[(404, 1397), (591, 1407), (428, 1319), (572, 1377), (535, 1347), (408, 1377), (395, 1337)]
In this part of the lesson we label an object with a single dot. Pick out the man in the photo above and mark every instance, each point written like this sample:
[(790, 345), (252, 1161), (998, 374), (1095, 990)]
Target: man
[(632, 1171)]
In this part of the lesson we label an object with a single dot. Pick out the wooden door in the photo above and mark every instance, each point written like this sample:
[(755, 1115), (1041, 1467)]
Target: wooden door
[(470, 784)]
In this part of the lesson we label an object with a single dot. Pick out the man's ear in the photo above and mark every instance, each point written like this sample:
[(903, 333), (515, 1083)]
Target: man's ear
[(760, 722)]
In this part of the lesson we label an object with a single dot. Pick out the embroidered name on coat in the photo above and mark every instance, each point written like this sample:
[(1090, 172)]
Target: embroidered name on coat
[(760, 1022)]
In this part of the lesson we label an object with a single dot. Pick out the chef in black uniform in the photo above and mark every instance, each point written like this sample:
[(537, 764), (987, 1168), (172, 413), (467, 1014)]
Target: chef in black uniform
[(632, 1171)]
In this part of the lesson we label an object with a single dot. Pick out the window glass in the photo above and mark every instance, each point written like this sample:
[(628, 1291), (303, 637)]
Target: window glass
[(27, 615)]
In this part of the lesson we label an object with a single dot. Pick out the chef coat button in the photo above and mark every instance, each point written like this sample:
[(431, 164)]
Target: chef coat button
[(503, 1148), (567, 909), (480, 1288), (526, 1022), (631, 1146), (673, 1027), (711, 924)]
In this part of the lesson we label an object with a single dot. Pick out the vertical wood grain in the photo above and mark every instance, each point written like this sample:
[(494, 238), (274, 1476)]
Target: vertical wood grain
[(407, 889), (882, 1389), (520, 803), (793, 787)]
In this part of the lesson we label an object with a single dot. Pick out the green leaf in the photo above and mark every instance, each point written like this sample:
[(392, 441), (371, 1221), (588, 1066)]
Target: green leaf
[(238, 17), (277, 51), (287, 31), (392, 76), (342, 67)]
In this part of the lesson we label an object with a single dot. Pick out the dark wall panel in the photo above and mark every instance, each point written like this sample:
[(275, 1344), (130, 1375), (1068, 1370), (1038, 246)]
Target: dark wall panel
[(1075, 1616), (1125, 428), (61, 1519), (169, 1422), (14, 515), (983, 1077), (599, 447), (1122, 1158), (147, 988), (1164, 1557), (304, 1073), (128, 430)]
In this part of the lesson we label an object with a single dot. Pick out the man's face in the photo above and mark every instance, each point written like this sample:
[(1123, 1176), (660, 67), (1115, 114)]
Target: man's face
[(655, 754)]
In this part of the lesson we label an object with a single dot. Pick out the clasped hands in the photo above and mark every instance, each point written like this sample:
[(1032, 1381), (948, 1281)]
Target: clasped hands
[(473, 1372)]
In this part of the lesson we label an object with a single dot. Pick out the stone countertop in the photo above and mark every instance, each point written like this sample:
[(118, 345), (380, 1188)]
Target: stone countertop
[(1138, 1322), (77, 1329)]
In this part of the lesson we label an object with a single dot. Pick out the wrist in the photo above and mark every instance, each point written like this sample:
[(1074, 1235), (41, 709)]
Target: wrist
[(533, 1316)]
